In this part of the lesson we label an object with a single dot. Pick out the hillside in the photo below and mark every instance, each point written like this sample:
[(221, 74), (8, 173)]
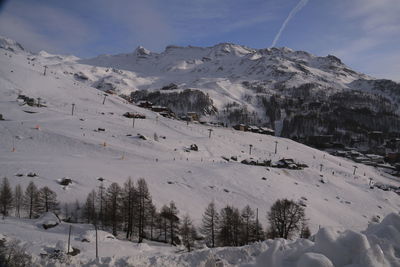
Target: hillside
[(297, 94), (54, 144)]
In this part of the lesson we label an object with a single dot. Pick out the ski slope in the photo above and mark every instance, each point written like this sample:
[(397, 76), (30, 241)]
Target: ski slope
[(54, 144)]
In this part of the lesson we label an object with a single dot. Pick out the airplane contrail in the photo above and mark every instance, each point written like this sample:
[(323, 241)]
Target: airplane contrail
[(297, 8)]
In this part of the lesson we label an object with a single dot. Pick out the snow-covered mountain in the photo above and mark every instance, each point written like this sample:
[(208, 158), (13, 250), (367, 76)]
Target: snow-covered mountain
[(233, 84), (52, 143)]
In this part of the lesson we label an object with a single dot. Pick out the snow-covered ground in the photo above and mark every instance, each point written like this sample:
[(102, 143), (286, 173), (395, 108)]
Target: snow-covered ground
[(54, 144), (378, 246)]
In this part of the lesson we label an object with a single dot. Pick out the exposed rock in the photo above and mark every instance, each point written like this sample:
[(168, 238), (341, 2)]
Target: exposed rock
[(65, 181)]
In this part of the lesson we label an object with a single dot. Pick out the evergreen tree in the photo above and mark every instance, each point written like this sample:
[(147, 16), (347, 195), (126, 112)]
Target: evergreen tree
[(114, 202), (18, 199), (229, 228), (170, 221), (101, 204), (173, 221), (257, 232), (164, 215), (152, 221), (248, 224), (143, 207), (6, 197), (188, 233), (129, 200), (210, 223), (89, 209), (237, 224), (47, 200), (31, 200)]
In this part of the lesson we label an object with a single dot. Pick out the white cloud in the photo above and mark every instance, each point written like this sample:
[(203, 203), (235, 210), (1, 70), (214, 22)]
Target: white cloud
[(371, 36), (40, 27)]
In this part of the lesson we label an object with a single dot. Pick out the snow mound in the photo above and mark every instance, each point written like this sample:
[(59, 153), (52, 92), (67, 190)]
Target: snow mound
[(62, 246), (315, 260), (47, 220), (102, 236), (379, 246)]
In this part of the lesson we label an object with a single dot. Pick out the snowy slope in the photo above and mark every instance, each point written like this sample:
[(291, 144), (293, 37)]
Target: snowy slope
[(378, 246), (68, 146), (219, 70)]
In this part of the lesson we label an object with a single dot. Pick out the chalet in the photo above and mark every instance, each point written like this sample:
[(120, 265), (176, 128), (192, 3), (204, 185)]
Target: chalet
[(287, 164), (354, 154), (145, 104), (320, 140), (160, 109), (375, 158), (134, 115), (361, 159), (240, 127), (193, 116), (185, 118), (31, 101), (265, 130), (167, 114), (393, 157), (339, 153), (253, 129)]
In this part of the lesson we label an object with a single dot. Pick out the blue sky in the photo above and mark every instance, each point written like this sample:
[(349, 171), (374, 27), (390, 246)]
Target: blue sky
[(365, 34)]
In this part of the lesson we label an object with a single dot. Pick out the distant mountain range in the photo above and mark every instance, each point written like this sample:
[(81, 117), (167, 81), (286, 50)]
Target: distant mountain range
[(294, 92)]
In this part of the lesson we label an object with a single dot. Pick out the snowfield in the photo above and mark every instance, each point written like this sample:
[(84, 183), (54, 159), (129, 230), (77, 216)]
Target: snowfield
[(378, 246), (54, 144)]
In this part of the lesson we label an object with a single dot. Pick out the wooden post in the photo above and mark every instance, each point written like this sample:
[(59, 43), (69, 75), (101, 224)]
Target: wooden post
[(69, 238), (209, 134), (276, 147), (38, 103), (97, 246), (250, 146), (104, 100), (73, 107), (320, 167), (45, 68), (133, 122)]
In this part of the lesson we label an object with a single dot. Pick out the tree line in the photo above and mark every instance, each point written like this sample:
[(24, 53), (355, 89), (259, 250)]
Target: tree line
[(128, 210), (34, 201)]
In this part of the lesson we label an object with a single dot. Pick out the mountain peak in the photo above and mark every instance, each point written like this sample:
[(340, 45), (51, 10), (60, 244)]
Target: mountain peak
[(10, 44), (141, 51)]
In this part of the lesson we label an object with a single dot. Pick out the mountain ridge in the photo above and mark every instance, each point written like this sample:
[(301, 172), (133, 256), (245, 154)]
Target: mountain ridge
[(273, 86)]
